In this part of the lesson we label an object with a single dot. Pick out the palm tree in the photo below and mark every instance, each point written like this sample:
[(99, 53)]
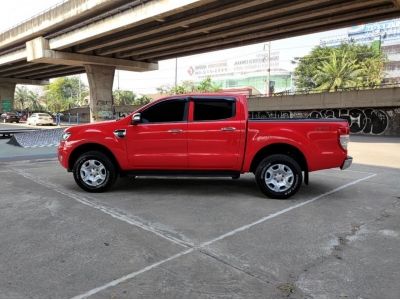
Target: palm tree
[(34, 101), (25, 98), (21, 97), (338, 72)]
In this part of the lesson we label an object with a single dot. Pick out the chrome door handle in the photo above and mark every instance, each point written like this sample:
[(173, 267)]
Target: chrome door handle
[(175, 131), (228, 129), (120, 133)]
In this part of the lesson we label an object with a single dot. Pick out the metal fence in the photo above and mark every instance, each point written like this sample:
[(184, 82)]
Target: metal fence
[(70, 118)]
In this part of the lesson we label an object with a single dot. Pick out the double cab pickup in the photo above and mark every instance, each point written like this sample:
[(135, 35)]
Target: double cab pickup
[(204, 135)]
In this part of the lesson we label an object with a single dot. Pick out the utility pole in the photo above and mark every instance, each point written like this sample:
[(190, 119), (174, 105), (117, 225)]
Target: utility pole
[(118, 79), (382, 35), (80, 90), (176, 72), (267, 82)]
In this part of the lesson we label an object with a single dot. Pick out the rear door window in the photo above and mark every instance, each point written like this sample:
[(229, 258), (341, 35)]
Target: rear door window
[(213, 109)]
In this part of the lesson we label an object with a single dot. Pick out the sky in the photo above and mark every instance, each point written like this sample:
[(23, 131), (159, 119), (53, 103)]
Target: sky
[(15, 11)]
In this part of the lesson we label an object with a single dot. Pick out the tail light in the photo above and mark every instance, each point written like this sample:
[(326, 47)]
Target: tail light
[(344, 140), (344, 137)]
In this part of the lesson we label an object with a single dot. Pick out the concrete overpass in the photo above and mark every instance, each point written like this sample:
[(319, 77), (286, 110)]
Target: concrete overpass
[(99, 36)]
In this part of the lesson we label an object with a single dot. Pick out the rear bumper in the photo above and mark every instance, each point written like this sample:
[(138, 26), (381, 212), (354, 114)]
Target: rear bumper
[(347, 163)]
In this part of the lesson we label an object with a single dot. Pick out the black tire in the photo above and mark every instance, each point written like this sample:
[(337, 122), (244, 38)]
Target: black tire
[(269, 163), (111, 173)]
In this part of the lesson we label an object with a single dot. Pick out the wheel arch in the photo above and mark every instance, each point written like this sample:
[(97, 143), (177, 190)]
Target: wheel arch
[(280, 148), (78, 151)]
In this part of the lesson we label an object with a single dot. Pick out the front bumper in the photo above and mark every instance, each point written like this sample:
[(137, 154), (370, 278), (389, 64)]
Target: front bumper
[(63, 154), (347, 163)]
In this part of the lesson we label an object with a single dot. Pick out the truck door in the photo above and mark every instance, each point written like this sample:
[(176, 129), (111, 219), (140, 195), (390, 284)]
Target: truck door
[(159, 141), (215, 134)]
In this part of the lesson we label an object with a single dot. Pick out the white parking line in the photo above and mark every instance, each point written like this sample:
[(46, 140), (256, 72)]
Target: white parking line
[(221, 237), (354, 171), (132, 275), (109, 211), (346, 171)]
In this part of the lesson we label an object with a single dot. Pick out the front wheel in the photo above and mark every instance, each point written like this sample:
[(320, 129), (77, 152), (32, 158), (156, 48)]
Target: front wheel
[(279, 176), (94, 172)]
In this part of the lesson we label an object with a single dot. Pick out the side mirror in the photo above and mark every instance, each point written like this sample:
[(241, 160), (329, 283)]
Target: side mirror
[(136, 118)]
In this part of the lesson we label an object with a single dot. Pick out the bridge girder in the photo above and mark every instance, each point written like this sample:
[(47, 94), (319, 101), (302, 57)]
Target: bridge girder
[(38, 51)]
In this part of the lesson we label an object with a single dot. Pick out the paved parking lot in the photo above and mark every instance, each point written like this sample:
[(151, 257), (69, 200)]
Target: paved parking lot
[(338, 237)]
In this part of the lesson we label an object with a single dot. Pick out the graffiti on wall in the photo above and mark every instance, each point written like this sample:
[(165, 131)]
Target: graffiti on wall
[(361, 120), (365, 120)]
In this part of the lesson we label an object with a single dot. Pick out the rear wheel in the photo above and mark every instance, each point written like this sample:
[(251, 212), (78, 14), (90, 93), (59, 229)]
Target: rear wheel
[(94, 172), (279, 176)]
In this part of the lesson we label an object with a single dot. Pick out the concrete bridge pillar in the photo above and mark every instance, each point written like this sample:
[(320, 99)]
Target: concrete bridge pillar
[(7, 90), (101, 79)]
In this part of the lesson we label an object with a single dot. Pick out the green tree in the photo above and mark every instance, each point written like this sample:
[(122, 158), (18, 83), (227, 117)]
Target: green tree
[(308, 65), (26, 99), (64, 93), (123, 97), (142, 100), (337, 72), (207, 85), (204, 86), (372, 71), (348, 65)]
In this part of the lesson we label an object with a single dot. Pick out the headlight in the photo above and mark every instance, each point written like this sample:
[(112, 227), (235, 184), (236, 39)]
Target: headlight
[(65, 136)]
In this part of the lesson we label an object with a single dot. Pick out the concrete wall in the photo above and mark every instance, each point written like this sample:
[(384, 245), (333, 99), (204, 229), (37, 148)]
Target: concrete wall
[(386, 97), (372, 112)]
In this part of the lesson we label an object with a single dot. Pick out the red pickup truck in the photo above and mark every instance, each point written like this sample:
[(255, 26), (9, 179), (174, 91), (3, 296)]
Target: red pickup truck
[(206, 134)]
